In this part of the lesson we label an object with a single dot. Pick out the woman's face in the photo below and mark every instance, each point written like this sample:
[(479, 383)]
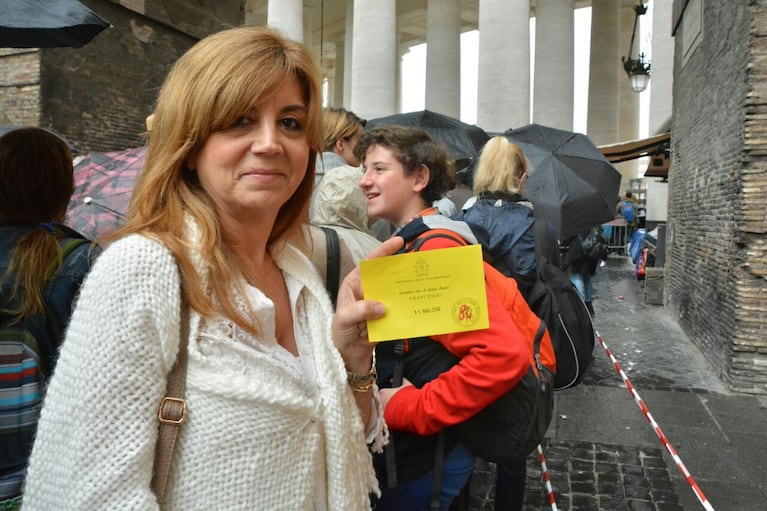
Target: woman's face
[(391, 194), (250, 169)]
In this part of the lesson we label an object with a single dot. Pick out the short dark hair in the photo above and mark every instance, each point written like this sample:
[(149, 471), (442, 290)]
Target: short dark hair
[(412, 147), (628, 195)]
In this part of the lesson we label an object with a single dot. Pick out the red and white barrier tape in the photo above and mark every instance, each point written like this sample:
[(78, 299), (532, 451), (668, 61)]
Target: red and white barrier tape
[(695, 488), (546, 479)]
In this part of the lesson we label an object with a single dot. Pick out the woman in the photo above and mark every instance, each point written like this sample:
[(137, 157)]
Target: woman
[(405, 171), (42, 265), (503, 212), (279, 404), (338, 203), (507, 217)]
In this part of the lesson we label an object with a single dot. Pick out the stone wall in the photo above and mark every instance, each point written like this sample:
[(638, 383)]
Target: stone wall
[(19, 87), (98, 96), (715, 265)]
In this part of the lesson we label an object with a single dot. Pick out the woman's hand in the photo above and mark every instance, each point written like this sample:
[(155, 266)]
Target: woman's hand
[(350, 332)]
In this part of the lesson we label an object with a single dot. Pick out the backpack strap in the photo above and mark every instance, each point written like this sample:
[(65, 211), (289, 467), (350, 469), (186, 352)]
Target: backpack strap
[(397, 378), (67, 247), (541, 237), (172, 411), (439, 466), (333, 264), (438, 233)]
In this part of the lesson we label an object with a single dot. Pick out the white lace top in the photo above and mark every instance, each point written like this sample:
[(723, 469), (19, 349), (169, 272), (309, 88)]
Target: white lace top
[(264, 359)]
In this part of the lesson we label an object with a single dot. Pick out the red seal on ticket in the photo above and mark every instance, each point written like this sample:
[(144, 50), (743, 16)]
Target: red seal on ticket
[(465, 312)]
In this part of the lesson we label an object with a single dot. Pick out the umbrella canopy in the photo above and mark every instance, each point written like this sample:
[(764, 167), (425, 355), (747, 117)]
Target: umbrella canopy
[(47, 24), (463, 141), (572, 184), (103, 187)]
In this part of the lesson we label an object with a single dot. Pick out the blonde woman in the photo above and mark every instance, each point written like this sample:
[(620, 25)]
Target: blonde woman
[(507, 217), (503, 211), (280, 404)]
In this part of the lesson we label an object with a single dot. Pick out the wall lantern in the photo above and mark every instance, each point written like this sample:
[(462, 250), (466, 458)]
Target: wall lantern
[(637, 69)]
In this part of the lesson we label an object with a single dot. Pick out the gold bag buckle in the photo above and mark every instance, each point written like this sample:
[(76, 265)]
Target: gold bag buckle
[(172, 410)]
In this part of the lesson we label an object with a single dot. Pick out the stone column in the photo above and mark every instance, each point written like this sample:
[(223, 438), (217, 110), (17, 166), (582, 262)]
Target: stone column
[(309, 11), (605, 71), (554, 68), (287, 16), (662, 70), (628, 127), (374, 58), (340, 75), (503, 91), (348, 42), (443, 57)]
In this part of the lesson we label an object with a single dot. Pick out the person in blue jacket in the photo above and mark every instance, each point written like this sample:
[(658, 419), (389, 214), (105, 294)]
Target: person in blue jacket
[(504, 218)]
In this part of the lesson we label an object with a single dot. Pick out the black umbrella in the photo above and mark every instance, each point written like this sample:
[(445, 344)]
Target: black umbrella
[(463, 141), (571, 184), (47, 24)]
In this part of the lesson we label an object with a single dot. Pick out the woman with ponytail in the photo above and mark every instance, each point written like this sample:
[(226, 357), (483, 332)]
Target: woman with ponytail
[(42, 265)]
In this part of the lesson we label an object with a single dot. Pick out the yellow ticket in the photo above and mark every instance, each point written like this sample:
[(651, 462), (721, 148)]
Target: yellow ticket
[(426, 293)]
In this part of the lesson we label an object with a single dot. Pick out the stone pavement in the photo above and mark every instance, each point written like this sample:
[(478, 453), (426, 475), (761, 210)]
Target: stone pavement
[(601, 452)]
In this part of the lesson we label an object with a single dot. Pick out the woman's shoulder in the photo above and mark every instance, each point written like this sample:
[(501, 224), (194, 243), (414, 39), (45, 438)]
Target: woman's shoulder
[(135, 256), (134, 245)]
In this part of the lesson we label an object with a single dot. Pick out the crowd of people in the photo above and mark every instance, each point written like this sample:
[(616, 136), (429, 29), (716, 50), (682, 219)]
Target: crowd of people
[(223, 267)]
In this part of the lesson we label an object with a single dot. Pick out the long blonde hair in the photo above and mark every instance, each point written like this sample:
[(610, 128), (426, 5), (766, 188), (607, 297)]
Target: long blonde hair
[(220, 79), (36, 183), (500, 168)]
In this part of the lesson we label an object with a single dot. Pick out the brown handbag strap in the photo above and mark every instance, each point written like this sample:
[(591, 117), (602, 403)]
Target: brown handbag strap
[(172, 412)]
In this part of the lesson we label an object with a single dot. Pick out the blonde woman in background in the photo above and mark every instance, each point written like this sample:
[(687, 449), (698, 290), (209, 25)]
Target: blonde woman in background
[(507, 217)]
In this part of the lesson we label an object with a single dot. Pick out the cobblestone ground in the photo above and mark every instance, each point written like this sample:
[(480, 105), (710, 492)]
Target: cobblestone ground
[(589, 477), (600, 477)]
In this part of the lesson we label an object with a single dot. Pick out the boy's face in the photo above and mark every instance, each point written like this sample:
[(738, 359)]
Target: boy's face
[(390, 192)]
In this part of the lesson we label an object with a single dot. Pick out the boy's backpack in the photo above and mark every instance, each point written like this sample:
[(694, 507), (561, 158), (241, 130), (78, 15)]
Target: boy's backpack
[(25, 367), (510, 428), (594, 244), (557, 302), (628, 210)]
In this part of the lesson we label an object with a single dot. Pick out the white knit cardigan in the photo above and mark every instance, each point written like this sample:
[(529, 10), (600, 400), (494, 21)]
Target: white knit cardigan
[(245, 445)]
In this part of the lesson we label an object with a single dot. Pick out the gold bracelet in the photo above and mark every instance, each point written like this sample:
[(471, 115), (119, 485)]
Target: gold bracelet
[(363, 382)]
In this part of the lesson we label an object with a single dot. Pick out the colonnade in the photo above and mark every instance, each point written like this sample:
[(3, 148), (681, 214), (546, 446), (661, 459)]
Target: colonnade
[(365, 77)]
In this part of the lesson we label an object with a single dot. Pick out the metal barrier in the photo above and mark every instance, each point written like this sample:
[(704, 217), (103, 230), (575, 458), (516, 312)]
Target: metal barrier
[(617, 235)]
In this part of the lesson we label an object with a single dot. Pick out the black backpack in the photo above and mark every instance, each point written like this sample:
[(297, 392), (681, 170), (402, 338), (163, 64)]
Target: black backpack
[(556, 301)]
